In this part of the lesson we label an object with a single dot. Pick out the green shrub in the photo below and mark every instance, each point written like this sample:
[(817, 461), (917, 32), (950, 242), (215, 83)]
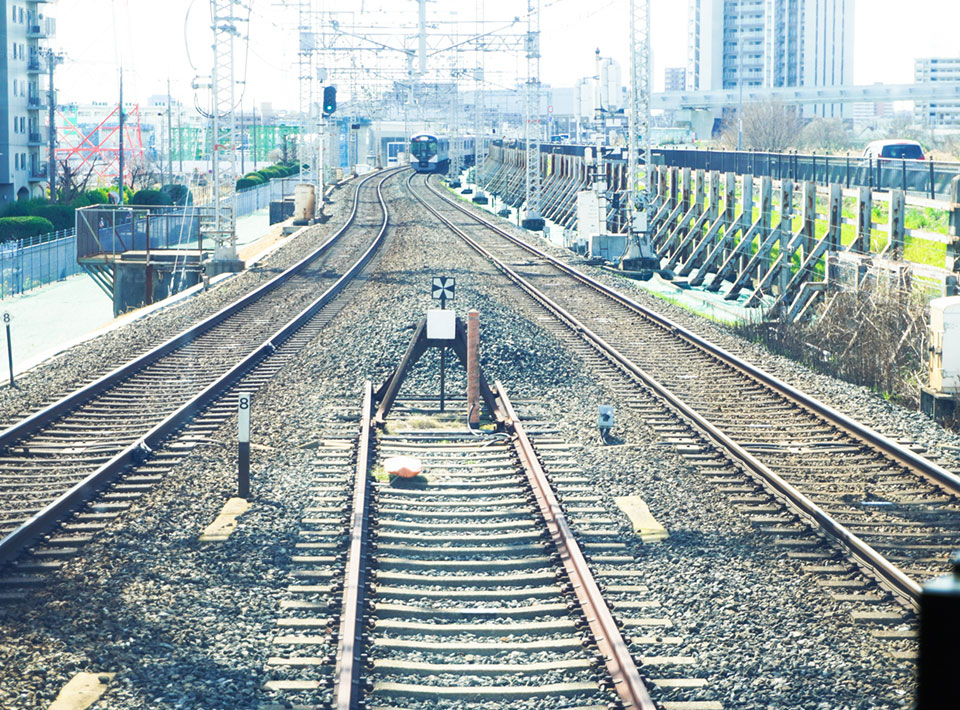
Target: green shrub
[(151, 197), (256, 177), (246, 183), (61, 216), (20, 227), (100, 196), (24, 208), (180, 194)]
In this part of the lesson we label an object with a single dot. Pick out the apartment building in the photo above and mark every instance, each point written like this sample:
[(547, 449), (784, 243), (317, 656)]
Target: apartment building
[(942, 115), (24, 27), (771, 43)]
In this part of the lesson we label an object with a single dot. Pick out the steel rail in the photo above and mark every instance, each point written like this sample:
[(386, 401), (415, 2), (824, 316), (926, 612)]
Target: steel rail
[(864, 553), (939, 475), (44, 520), (346, 688), (619, 661), (53, 411)]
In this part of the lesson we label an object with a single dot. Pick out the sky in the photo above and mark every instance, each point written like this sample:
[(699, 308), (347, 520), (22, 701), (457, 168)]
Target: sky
[(171, 39)]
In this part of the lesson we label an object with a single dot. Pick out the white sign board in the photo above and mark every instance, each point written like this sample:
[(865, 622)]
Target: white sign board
[(441, 324), (243, 417)]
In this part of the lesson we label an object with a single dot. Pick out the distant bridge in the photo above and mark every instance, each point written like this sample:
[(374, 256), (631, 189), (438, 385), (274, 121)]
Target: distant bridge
[(931, 92)]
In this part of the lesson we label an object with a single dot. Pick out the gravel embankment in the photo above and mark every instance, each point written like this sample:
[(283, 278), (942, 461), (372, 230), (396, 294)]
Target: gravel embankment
[(94, 358), (187, 626)]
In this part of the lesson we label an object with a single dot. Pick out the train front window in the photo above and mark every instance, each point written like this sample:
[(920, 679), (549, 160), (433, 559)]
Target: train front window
[(423, 149)]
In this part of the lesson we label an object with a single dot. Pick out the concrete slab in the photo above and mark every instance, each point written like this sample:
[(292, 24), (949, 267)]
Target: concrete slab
[(82, 691), (225, 523), (645, 526)]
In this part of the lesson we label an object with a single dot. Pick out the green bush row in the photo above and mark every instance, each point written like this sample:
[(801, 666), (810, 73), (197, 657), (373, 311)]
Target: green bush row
[(259, 177), (21, 227)]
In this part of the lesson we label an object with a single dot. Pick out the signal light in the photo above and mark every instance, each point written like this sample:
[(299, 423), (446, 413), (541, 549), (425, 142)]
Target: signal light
[(329, 100)]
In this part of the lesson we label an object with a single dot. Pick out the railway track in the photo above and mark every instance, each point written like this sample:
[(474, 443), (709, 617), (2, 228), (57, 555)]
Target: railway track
[(56, 460), (466, 584), (894, 513)]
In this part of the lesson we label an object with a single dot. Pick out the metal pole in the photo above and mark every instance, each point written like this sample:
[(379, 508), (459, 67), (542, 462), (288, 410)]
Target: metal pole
[(52, 165), (243, 439), (121, 135), (180, 135), (169, 136), (443, 369), (6, 320)]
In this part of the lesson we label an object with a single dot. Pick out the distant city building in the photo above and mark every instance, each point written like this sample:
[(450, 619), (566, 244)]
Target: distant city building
[(943, 114), (771, 43), (870, 115), (23, 136), (674, 79)]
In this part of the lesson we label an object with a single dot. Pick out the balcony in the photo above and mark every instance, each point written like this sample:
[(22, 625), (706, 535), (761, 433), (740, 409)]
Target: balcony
[(38, 173), (42, 29), (33, 65), (34, 139)]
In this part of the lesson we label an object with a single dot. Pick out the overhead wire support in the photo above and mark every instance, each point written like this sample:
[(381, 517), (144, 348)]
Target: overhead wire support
[(226, 31), (532, 220), (639, 255)]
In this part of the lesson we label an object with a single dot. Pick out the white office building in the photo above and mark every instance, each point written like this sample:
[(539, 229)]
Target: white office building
[(943, 115), (772, 43)]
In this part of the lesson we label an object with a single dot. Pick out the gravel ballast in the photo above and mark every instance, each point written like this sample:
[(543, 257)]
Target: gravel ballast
[(186, 626)]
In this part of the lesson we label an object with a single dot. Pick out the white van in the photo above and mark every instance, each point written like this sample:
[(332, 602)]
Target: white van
[(894, 150)]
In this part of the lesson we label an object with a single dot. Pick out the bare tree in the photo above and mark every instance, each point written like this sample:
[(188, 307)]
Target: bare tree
[(826, 135), (143, 175), (73, 183), (767, 125)]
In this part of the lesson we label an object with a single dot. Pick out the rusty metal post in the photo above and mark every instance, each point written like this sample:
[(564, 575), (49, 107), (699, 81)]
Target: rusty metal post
[(473, 366), (896, 224), (864, 221), (939, 657), (834, 217)]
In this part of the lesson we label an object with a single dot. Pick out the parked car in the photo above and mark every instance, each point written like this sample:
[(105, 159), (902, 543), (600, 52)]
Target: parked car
[(894, 150)]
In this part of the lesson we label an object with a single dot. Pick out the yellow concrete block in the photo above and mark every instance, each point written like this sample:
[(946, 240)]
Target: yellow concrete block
[(82, 691), (644, 524), (220, 529)]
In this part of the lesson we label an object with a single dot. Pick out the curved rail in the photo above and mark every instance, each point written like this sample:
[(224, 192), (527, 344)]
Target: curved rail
[(869, 557), (41, 522)]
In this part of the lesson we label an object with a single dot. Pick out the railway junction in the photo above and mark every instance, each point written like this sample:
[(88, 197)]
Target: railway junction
[(746, 534)]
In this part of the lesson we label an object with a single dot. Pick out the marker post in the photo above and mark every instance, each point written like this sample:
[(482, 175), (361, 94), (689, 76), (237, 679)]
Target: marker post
[(6, 321), (243, 436)]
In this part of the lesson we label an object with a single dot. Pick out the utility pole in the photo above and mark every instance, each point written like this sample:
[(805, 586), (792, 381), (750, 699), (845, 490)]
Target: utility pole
[(255, 143), (169, 135), (423, 37), (243, 162), (180, 135), (533, 221), (121, 135), (52, 61)]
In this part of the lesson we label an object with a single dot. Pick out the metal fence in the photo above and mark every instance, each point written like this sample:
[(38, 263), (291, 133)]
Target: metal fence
[(921, 178), (32, 262), (26, 264)]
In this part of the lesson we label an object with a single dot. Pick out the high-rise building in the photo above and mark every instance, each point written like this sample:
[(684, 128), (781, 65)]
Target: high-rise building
[(674, 79), (23, 27), (772, 43), (943, 114)]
